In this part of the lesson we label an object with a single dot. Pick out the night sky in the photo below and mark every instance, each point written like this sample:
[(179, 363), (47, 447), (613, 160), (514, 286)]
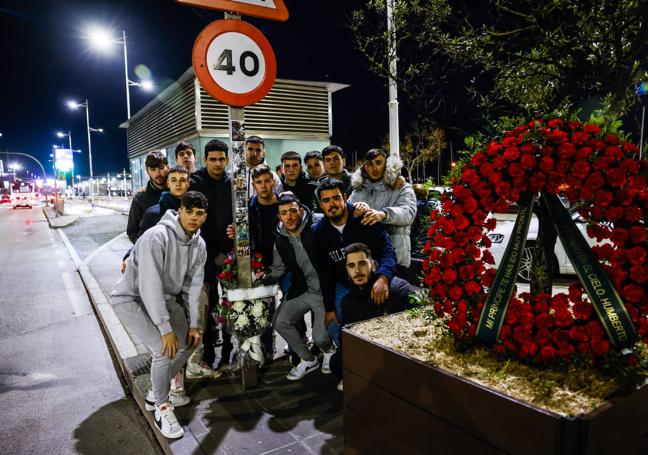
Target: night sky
[(46, 61)]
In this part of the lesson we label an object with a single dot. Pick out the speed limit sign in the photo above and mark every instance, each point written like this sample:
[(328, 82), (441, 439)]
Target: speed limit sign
[(234, 62)]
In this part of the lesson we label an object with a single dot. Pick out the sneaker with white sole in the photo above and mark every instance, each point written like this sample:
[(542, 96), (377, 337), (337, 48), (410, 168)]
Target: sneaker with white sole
[(201, 371), (302, 369), (177, 384), (326, 360), (340, 386), (166, 421), (176, 400)]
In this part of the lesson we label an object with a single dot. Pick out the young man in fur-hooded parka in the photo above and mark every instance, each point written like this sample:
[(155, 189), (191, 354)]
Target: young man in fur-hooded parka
[(380, 196)]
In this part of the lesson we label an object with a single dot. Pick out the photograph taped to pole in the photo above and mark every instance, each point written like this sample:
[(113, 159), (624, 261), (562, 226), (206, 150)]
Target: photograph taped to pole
[(234, 62)]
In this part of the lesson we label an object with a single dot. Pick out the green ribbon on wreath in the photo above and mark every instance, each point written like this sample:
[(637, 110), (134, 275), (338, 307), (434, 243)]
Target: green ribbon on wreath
[(604, 297), (492, 316)]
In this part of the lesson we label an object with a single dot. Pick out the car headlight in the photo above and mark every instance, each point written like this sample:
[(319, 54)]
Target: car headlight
[(496, 238)]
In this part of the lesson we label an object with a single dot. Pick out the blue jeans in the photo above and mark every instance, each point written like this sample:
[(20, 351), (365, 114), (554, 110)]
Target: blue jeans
[(335, 328)]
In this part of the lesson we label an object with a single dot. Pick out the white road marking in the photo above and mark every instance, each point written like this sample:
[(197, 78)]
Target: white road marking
[(98, 250), (77, 300)]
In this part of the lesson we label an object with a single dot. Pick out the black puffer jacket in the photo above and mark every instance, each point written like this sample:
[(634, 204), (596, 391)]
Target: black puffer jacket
[(141, 201), (304, 189), (219, 216), (357, 304)]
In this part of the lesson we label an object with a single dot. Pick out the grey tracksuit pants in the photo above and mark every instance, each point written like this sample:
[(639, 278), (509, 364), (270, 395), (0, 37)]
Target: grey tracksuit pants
[(289, 313), (138, 322)]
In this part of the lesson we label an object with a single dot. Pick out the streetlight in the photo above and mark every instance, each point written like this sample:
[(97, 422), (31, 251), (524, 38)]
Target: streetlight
[(75, 105), (102, 40), (69, 136), (13, 167)]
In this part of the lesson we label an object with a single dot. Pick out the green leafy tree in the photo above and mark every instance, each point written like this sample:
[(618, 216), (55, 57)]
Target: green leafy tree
[(482, 59)]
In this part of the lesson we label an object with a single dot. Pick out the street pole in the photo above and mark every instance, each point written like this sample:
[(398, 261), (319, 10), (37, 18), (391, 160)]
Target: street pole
[(124, 179), (72, 152), (128, 112), (394, 143), (87, 106)]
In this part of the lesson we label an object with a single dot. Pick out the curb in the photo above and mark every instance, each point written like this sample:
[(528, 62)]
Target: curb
[(65, 220), (122, 345)]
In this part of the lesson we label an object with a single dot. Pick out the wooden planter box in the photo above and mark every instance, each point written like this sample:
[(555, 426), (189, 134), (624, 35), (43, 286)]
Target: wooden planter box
[(396, 404)]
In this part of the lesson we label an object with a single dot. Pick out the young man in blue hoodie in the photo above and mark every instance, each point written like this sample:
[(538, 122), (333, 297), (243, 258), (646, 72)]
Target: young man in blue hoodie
[(167, 262), (338, 229), (294, 253)]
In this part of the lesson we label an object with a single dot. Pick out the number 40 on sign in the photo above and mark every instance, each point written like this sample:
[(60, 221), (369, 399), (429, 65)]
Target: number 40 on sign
[(234, 62)]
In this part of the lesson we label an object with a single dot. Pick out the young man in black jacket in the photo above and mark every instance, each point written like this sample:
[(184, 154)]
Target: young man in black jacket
[(294, 179), (215, 183), (357, 304), (293, 252), (338, 229), (157, 168)]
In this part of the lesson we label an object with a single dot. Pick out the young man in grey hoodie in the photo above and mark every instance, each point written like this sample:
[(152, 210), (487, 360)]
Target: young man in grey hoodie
[(167, 261), (293, 252)]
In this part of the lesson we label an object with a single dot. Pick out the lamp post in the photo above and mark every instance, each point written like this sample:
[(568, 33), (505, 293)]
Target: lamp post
[(101, 39), (75, 105), (69, 136)]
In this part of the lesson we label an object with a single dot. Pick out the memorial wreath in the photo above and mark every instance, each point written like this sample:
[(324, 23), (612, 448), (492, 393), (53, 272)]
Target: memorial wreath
[(597, 321)]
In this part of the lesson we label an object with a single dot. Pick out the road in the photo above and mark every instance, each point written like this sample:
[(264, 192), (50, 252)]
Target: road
[(59, 388)]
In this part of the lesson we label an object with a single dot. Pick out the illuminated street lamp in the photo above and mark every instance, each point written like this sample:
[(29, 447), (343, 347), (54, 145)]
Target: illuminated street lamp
[(13, 167), (102, 40), (75, 105)]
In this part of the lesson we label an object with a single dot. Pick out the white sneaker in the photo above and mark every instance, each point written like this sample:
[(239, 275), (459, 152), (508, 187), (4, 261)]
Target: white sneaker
[(302, 369), (201, 371), (176, 400), (340, 386), (177, 384), (326, 360), (167, 422)]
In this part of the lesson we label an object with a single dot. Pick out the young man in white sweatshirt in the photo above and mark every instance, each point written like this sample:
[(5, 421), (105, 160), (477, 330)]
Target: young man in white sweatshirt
[(167, 261)]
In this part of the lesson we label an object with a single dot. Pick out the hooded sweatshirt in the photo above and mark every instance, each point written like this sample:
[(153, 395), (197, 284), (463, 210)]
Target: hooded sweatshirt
[(165, 262), (398, 204), (155, 212), (295, 254)]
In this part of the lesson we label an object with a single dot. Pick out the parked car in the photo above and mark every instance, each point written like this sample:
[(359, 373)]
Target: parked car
[(5, 199), (22, 200), (559, 263)]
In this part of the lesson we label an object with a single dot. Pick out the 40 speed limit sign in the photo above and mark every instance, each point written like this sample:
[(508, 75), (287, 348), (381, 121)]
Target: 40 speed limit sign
[(234, 62)]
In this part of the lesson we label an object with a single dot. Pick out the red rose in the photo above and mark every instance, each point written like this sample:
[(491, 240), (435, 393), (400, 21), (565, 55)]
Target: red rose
[(555, 123), (636, 255), (578, 333), (638, 234), (582, 310), (633, 214), (560, 337), (639, 274), (528, 162), (614, 213), (566, 150), (547, 353), (603, 198), (544, 321), (595, 181), (528, 349), (449, 276), (579, 137), (600, 346), (632, 292), (591, 128), (456, 292), (511, 154), (619, 236), (563, 318), (472, 287)]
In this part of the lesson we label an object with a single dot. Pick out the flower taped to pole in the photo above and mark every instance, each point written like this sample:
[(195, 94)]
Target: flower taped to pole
[(607, 302), (492, 317)]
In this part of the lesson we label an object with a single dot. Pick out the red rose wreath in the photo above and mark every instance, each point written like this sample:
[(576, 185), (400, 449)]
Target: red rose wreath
[(606, 181)]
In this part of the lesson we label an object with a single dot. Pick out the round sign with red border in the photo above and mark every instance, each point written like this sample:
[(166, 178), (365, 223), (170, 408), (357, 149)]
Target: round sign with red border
[(234, 62)]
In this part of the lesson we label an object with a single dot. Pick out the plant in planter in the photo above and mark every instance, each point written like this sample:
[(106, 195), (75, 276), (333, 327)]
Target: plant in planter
[(555, 345)]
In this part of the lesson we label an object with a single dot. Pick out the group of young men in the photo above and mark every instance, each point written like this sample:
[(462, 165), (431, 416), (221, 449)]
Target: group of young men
[(337, 242)]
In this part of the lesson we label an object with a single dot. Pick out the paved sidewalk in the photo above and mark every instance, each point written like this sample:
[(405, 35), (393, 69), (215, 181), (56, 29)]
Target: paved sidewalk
[(279, 416)]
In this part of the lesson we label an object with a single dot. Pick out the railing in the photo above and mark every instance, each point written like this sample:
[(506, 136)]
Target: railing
[(121, 204)]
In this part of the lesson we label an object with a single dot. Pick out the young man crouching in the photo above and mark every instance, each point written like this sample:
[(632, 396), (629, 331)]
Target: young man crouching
[(167, 261)]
